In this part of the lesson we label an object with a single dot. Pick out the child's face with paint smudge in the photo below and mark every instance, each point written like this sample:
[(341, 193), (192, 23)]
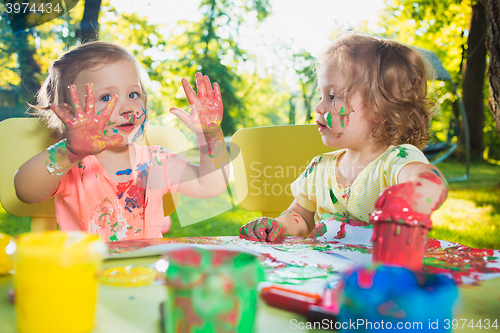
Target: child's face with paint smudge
[(341, 125), (120, 78)]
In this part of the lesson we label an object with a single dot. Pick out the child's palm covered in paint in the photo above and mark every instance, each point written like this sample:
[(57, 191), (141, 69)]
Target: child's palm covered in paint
[(85, 128), (206, 108)]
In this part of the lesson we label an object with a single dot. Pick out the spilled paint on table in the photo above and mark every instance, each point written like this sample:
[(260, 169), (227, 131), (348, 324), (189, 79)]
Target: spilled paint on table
[(463, 264)]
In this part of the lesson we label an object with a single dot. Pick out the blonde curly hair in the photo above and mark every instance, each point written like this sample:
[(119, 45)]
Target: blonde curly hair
[(63, 72), (392, 78)]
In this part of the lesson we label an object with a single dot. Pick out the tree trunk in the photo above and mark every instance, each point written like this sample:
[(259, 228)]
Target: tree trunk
[(473, 81), (493, 45), (29, 68), (89, 26), (308, 101)]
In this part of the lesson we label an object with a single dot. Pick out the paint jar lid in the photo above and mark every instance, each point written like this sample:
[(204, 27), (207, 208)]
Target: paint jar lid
[(128, 276)]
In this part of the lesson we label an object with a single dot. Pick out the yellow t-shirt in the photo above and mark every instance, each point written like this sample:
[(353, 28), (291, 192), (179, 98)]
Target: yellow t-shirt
[(317, 190)]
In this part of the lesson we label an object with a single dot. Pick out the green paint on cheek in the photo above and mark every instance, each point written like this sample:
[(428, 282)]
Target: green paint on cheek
[(329, 120), (342, 114), (105, 132)]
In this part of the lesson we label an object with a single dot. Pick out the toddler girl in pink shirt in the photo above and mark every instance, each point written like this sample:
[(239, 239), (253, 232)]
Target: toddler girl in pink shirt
[(103, 182)]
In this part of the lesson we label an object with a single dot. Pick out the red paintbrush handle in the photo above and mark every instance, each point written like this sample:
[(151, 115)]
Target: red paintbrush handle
[(290, 300)]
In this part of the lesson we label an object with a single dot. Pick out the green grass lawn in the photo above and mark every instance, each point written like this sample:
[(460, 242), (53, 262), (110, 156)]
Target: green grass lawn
[(470, 215)]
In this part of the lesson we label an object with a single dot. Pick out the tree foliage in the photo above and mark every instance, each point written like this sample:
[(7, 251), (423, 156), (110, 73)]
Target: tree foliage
[(304, 66), (210, 45), (493, 44), (441, 26), (26, 56)]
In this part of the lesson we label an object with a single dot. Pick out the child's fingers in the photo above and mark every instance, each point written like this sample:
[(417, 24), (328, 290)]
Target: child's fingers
[(200, 85), (181, 114), (319, 230), (263, 227), (76, 101), (89, 98), (188, 90), (61, 114), (247, 231), (208, 86), (105, 114), (217, 93), (275, 233)]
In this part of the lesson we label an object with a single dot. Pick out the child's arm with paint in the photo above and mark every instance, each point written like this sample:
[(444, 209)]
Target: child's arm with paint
[(295, 221), (38, 178), (421, 190), (210, 177)]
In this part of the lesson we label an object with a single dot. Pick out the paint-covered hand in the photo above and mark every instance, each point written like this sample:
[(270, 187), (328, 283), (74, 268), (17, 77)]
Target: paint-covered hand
[(85, 128), (399, 204), (206, 108), (319, 230), (263, 229)]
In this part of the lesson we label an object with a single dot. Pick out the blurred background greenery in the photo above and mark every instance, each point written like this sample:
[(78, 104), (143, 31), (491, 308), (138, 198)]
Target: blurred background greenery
[(258, 93)]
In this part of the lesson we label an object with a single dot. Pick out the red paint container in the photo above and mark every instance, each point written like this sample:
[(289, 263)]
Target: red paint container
[(399, 244)]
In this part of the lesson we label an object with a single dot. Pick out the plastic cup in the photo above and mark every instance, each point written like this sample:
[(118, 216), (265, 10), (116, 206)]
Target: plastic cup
[(56, 282), (389, 299), (211, 290), (399, 244)]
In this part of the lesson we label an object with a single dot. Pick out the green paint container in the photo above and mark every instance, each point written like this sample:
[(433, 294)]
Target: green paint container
[(211, 290)]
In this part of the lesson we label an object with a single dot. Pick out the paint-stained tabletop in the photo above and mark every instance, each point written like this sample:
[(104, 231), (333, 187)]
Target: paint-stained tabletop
[(306, 264)]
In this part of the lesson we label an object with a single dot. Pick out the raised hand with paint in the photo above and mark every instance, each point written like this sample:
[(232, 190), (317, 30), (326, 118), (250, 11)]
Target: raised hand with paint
[(102, 180), (374, 111), (85, 130), (205, 121)]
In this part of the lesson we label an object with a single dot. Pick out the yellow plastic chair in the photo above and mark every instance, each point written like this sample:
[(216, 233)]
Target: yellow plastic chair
[(266, 160), (23, 138)]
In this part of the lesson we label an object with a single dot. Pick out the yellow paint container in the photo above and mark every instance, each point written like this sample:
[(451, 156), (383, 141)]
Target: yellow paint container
[(56, 281)]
